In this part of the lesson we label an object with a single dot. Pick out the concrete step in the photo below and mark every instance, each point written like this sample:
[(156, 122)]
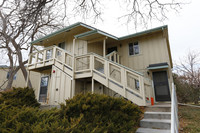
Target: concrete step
[(159, 108), (155, 123), (149, 130), (157, 115)]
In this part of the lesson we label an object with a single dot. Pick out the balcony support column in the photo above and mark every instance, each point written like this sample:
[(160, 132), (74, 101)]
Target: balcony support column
[(104, 48), (73, 70)]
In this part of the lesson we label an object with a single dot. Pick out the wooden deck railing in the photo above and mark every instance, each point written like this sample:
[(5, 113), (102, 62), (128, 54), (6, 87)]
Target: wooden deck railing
[(114, 56), (131, 82)]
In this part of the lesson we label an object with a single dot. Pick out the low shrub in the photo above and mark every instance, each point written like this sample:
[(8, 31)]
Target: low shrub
[(102, 113), (33, 120), (19, 97), (93, 113)]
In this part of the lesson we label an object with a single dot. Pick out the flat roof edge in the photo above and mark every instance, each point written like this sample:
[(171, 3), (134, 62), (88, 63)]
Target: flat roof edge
[(143, 32), (61, 30)]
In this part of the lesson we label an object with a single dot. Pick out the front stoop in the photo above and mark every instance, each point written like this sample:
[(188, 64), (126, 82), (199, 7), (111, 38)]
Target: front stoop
[(157, 119)]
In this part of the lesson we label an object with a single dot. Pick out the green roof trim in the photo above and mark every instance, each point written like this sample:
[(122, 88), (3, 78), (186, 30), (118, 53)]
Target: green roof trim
[(143, 32), (157, 67), (62, 30), (96, 31), (86, 34)]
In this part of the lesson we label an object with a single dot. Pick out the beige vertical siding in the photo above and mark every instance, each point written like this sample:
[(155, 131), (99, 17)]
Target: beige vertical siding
[(60, 88), (96, 48), (153, 49), (20, 81)]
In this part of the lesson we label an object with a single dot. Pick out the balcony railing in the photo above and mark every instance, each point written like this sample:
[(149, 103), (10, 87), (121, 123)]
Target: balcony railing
[(130, 81), (114, 56)]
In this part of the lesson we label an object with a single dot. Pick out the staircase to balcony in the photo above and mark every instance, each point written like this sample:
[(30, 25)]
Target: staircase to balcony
[(126, 82)]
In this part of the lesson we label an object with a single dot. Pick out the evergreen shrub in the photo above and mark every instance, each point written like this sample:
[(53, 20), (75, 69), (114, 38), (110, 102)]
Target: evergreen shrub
[(19, 97), (101, 113), (90, 113)]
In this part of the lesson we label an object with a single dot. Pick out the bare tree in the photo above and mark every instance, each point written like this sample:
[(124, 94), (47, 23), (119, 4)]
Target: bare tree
[(22, 21), (189, 74)]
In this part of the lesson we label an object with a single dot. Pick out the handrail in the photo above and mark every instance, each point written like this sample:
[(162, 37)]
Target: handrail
[(90, 54), (174, 111), (117, 64), (51, 47), (111, 53), (120, 79)]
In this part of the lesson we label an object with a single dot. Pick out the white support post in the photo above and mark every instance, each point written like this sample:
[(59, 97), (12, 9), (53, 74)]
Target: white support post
[(63, 59), (106, 71), (104, 48), (36, 59), (141, 80), (118, 59), (44, 57), (73, 69), (123, 80), (115, 60)]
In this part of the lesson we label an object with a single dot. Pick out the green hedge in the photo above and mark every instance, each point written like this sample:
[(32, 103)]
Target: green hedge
[(102, 113), (82, 114), (19, 97)]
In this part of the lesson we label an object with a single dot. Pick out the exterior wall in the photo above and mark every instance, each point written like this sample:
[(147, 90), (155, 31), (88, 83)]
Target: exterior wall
[(153, 49), (85, 86), (59, 88), (20, 81), (96, 48), (80, 47)]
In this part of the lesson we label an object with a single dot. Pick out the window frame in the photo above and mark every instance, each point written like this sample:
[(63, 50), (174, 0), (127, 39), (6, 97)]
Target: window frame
[(134, 44)]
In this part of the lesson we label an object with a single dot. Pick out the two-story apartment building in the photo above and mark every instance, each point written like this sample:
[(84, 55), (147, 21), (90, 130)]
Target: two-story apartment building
[(81, 59)]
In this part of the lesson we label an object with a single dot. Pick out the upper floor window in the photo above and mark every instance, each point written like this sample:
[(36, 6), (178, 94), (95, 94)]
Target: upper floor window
[(62, 45), (133, 48)]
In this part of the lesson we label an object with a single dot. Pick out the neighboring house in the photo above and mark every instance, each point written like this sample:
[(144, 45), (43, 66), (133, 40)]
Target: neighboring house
[(18, 80), (81, 58)]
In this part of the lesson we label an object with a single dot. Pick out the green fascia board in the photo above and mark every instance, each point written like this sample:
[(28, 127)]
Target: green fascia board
[(107, 34), (62, 30), (96, 31), (157, 67), (143, 32), (86, 34)]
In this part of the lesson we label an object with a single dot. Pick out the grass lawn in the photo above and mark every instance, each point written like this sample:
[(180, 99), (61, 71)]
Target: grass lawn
[(189, 119)]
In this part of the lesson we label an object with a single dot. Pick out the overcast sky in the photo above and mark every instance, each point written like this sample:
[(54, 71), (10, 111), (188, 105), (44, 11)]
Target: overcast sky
[(184, 27)]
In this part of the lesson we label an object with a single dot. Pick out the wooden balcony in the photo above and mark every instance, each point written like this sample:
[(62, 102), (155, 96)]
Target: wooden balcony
[(128, 83)]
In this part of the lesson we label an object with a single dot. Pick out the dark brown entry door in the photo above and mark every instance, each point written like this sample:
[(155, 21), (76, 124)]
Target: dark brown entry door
[(161, 86)]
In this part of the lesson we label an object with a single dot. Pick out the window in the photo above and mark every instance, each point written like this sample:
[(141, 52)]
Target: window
[(8, 75), (137, 84), (62, 45), (43, 89), (133, 48)]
